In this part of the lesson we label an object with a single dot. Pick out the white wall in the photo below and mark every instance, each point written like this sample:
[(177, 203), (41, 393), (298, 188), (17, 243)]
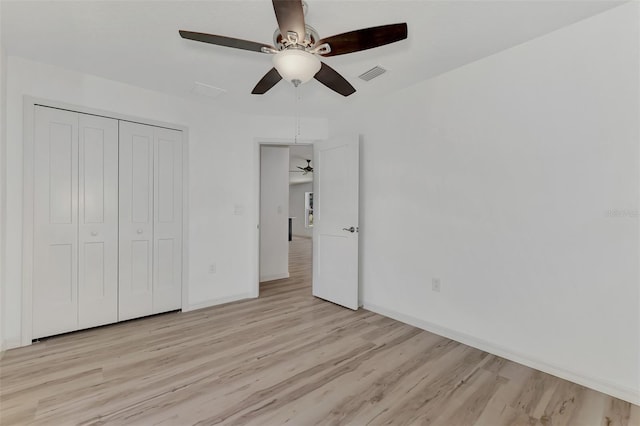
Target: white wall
[(223, 172), (274, 213), (515, 181), (296, 208), (3, 110)]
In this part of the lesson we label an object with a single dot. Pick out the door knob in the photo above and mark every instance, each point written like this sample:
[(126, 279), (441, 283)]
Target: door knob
[(139, 231), (351, 229), (94, 233)]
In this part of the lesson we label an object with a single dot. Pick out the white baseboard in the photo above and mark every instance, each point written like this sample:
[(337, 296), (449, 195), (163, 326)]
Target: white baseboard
[(10, 344), (595, 383), (274, 277), (215, 302)]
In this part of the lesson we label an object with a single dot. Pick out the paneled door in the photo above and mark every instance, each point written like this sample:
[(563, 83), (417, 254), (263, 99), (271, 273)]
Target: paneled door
[(167, 228), (135, 297), (335, 221), (107, 221), (55, 249), (97, 221), (75, 282), (150, 220)]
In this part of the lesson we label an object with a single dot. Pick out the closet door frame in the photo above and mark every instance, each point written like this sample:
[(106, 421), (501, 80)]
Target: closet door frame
[(30, 104)]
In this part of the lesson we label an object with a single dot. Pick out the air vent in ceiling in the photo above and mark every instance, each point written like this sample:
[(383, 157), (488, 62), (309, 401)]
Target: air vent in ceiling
[(207, 90), (372, 73)]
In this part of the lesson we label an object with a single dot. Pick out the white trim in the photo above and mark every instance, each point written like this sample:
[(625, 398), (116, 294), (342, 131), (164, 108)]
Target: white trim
[(10, 344), (274, 277), (216, 302), (102, 113), (596, 383), (27, 203), (637, 402), (27, 221), (185, 218)]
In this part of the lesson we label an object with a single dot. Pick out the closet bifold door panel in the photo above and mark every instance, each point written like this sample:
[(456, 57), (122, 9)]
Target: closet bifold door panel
[(167, 223), (136, 221), (75, 221), (55, 242), (150, 220), (97, 221)]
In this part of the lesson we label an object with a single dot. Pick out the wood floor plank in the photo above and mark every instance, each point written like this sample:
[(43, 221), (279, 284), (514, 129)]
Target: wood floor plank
[(284, 358)]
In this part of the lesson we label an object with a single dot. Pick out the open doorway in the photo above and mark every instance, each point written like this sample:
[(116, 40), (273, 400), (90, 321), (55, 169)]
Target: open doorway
[(335, 256), (286, 219)]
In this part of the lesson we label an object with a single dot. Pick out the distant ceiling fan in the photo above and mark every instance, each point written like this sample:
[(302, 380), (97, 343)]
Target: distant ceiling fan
[(298, 47), (304, 170)]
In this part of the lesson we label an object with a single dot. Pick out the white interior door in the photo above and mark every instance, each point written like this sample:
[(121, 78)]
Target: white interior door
[(98, 221), (167, 224), (55, 250), (335, 221), (135, 286)]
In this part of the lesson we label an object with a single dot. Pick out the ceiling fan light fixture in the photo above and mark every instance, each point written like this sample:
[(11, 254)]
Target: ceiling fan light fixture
[(296, 66)]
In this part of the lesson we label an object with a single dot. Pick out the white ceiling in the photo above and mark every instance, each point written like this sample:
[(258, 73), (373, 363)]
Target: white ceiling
[(298, 156), (137, 42)]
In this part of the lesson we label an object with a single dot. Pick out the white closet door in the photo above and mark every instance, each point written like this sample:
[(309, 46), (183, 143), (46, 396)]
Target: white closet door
[(55, 274), (136, 220), (167, 238), (98, 221)]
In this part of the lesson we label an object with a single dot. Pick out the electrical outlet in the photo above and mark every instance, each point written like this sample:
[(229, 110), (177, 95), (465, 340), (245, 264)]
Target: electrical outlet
[(212, 268), (435, 284)]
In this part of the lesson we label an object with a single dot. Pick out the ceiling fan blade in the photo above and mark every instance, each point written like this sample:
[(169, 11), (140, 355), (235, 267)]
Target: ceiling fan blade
[(235, 43), (267, 82), (366, 38), (290, 17), (334, 81)]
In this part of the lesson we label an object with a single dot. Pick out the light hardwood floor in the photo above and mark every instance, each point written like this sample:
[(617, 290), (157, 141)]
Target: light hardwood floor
[(283, 358)]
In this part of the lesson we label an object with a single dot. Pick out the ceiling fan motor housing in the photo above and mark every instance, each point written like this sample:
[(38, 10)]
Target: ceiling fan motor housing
[(281, 41)]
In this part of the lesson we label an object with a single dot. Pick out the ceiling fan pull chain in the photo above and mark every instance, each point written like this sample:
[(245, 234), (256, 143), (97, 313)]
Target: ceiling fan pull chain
[(298, 97), (297, 109)]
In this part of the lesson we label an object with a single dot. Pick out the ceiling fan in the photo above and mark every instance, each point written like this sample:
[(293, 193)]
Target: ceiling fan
[(298, 48), (306, 169)]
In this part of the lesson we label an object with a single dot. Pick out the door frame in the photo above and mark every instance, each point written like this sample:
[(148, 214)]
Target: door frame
[(29, 104), (254, 290)]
